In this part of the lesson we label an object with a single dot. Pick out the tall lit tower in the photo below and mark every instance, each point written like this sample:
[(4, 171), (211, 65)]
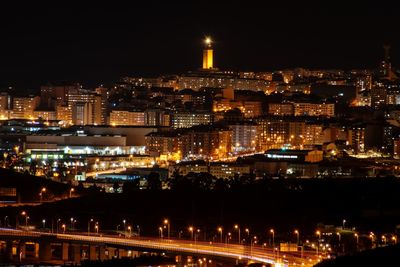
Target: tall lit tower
[(207, 54)]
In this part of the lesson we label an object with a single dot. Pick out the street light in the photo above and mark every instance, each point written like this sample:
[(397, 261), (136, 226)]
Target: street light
[(44, 223), (23, 213), (356, 236), (273, 237), (238, 228), (57, 223), (191, 232), (384, 239), (96, 227), (63, 227), (297, 233), (160, 229), (344, 222), (72, 223), (130, 230), (318, 233), (220, 233), (248, 233), (339, 236), (166, 222), (394, 239), (42, 191), (71, 191), (88, 226)]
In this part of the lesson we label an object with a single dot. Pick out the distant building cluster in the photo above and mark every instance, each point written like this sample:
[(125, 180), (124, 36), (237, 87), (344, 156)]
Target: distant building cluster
[(293, 122)]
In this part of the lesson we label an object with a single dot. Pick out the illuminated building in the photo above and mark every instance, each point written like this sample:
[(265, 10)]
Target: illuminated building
[(219, 79), (164, 143), (86, 107), (313, 134), (274, 132), (157, 117), (357, 138), (396, 148), (23, 107), (5, 106), (208, 142), (186, 119), (223, 104), (64, 114), (135, 135), (124, 117), (281, 109), (314, 109), (245, 136), (378, 96), (208, 54), (224, 170), (295, 155), (51, 95), (45, 114), (251, 109)]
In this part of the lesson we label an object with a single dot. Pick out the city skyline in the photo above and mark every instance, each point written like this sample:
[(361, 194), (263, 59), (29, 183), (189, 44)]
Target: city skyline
[(95, 44)]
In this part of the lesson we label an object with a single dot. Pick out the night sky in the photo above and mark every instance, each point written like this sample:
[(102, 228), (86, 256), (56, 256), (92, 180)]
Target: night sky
[(98, 43)]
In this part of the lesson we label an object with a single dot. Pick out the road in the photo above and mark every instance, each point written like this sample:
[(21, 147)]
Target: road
[(253, 253)]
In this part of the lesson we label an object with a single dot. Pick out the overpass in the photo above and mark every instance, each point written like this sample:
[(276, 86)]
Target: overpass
[(253, 253)]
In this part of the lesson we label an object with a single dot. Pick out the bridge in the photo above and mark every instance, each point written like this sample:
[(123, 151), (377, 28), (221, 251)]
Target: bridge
[(15, 240)]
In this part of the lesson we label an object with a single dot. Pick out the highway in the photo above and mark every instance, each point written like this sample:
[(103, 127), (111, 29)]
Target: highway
[(253, 253)]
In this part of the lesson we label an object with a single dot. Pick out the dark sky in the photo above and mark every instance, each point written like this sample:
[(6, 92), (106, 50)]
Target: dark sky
[(94, 42)]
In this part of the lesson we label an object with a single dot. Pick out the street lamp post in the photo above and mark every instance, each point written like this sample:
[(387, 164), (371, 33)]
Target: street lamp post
[(191, 232), (71, 191), (124, 222), (57, 223), (160, 229), (88, 226), (248, 234), (220, 233), (344, 222), (23, 213), (356, 236), (63, 227), (238, 228), (130, 230), (297, 233), (166, 222), (42, 191), (96, 227), (273, 238), (44, 223)]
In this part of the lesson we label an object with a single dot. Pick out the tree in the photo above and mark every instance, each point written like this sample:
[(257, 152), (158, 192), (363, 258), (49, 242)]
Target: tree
[(153, 181), (116, 187), (131, 186)]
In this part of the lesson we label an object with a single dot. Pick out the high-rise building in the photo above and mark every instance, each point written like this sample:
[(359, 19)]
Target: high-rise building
[(188, 119), (5, 106), (86, 107), (245, 136), (23, 107), (64, 114), (125, 117), (281, 109)]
